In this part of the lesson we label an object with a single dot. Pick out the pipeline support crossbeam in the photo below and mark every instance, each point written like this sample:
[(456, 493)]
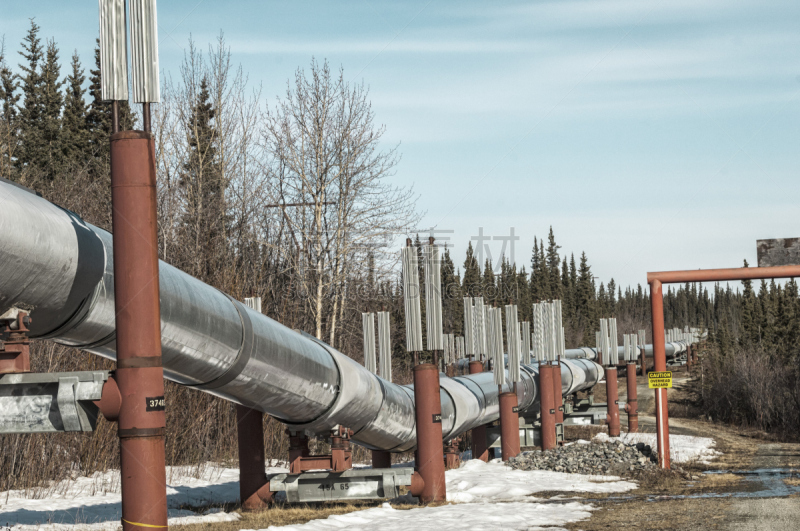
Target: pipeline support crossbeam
[(656, 280)]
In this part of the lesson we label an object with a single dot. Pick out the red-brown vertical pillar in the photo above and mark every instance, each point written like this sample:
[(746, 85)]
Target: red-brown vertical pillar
[(547, 406), (612, 402), (660, 364), (689, 356), (480, 449), (253, 485), (139, 374), (428, 405), (558, 397), (509, 425), (632, 406)]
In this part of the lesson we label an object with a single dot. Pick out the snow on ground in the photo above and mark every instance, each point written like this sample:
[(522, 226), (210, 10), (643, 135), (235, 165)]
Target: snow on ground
[(506, 516), (494, 481), (682, 448), (94, 502), (483, 495)]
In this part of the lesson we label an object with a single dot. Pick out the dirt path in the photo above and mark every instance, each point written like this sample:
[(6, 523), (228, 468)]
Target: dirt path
[(755, 484)]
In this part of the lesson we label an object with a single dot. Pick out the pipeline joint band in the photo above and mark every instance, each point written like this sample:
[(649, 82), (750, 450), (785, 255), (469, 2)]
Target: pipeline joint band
[(143, 525), (139, 362), (131, 433), (242, 358)]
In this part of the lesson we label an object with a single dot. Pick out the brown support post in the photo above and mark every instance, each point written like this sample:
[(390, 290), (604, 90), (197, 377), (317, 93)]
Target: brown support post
[(253, 484), (480, 449), (660, 363), (509, 425), (452, 457), (428, 406), (632, 405), (15, 351), (688, 356), (547, 406), (298, 448), (381, 459), (612, 402), (558, 397), (139, 373)]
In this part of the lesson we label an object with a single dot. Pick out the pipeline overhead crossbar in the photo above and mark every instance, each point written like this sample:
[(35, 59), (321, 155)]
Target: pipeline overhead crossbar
[(60, 269)]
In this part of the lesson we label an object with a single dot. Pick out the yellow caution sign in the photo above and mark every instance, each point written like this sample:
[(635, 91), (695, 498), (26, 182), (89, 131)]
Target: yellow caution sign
[(659, 380)]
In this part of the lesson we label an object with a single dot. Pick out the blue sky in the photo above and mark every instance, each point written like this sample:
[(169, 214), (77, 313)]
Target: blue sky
[(652, 135)]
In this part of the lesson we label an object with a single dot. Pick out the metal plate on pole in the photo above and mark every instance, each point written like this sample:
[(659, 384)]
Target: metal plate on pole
[(778, 252)]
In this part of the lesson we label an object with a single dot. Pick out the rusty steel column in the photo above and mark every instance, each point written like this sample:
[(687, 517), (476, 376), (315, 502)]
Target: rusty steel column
[(558, 398), (612, 402), (632, 405), (381, 459), (480, 449), (428, 406), (509, 425), (688, 356), (547, 406), (253, 484), (660, 364), (139, 373)]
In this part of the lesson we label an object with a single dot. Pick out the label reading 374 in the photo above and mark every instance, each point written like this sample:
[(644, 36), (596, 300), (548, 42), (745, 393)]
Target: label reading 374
[(155, 403)]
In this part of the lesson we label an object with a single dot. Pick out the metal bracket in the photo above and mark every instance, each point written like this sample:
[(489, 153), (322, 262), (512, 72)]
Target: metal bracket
[(352, 484), (50, 402)]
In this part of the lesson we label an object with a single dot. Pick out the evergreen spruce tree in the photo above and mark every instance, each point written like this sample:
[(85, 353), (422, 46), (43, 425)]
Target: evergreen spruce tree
[(471, 286), (98, 118), (585, 301), (8, 116), (553, 266), (30, 152), (205, 216), (52, 100), (612, 298), (536, 287), (488, 287), (74, 136)]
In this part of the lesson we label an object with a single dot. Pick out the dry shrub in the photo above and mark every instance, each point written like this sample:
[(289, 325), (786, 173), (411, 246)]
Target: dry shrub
[(753, 388)]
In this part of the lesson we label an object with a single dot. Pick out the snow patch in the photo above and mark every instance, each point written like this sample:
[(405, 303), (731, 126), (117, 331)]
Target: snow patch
[(494, 481), (682, 448), (93, 502), (506, 516)]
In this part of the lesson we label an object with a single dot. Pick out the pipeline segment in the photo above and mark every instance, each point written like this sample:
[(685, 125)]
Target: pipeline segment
[(60, 268)]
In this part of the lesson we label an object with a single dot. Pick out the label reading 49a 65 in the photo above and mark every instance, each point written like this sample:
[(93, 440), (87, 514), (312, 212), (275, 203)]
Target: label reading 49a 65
[(155, 403)]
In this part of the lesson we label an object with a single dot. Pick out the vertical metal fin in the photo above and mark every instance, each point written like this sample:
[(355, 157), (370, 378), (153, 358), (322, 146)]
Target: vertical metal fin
[(606, 358), (368, 325), (513, 342), (144, 51), (497, 337), (385, 346), (538, 332), (469, 328), (525, 337), (254, 303), (479, 312), (433, 296), (460, 347), (411, 298), (113, 51), (614, 340)]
